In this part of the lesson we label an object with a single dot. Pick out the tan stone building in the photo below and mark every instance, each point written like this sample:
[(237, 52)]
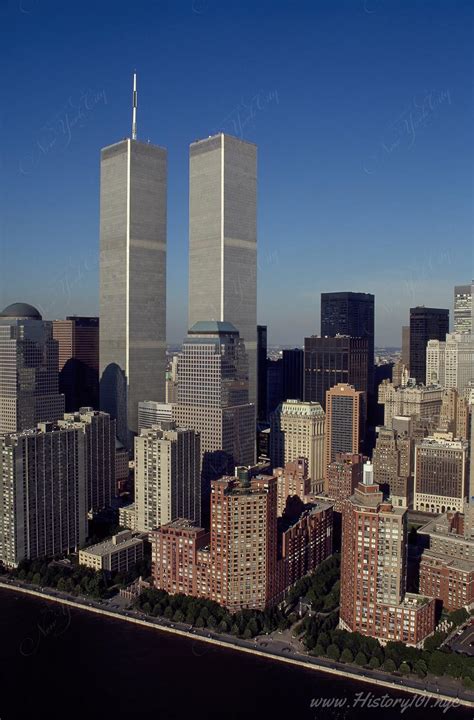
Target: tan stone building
[(118, 554), (298, 432), (415, 400), (441, 474)]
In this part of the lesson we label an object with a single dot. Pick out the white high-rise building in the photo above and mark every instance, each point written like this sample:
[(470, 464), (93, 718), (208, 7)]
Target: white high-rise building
[(133, 180), (29, 366), (167, 476), (213, 398), (99, 430), (223, 239), (463, 309), (152, 413), (43, 493)]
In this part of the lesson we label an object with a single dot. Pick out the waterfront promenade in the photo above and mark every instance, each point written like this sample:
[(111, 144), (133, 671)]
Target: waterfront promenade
[(268, 647)]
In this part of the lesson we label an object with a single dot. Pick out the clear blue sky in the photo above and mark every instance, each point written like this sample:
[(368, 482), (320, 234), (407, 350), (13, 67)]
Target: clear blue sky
[(362, 112)]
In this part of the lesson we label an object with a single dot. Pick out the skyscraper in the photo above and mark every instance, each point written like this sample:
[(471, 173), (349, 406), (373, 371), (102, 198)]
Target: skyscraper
[(223, 238), (275, 391), (78, 339), (332, 360), (132, 279), (393, 460), (373, 571), (43, 493), (99, 430), (422, 402), (297, 431), (293, 372), (405, 357), (167, 476), (28, 370), (441, 474), (451, 363), (463, 309), (344, 424), (262, 372), (351, 313), (344, 474), (213, 398), (425, 324), (243, 550)]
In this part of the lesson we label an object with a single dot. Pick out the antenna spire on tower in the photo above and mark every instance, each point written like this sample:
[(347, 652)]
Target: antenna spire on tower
[(134, 107)]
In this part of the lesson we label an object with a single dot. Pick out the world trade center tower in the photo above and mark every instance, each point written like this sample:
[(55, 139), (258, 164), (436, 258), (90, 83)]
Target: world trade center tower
[(133, 180), (223, 239)]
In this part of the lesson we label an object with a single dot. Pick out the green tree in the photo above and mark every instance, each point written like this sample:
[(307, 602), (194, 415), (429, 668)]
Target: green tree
[(200, 622), (223, 627), (433, 642), (36, 579), (420, 668), (360, 659), (347, 656), (324, 639), (168, 613), (333, 652), (374, 662), (404, 668), (178, 616), (438, 662), (389, 665), (146, 608)]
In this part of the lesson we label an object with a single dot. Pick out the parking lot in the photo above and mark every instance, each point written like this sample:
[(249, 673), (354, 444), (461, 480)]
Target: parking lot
[(464, 642)]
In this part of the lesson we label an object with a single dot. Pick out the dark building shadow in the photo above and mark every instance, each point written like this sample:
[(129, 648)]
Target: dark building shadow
[(113, 399), (80, 385)]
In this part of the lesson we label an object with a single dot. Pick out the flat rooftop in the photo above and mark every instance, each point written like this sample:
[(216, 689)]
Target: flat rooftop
[(108, 546)]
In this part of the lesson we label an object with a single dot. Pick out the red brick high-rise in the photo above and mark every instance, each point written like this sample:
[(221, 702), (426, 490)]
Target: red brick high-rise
[(344, 474), (373, 571), (243, 550)]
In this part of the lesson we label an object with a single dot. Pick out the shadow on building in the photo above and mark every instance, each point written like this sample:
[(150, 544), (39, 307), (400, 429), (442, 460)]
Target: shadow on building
[(113, 400)]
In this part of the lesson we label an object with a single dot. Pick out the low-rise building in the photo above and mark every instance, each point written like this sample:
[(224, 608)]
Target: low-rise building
[(128, 517), (117, 554), (174, 549)]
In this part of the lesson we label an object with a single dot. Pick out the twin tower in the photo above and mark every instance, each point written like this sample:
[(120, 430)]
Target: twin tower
[(133, 242)]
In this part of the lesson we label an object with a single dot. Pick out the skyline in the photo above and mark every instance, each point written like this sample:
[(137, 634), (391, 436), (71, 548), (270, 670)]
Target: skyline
[(391, 191)]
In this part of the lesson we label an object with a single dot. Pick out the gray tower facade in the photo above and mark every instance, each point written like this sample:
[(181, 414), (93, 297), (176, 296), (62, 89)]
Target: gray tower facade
[(223, 239), (29, 366), (133, 182), (213, 398)]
